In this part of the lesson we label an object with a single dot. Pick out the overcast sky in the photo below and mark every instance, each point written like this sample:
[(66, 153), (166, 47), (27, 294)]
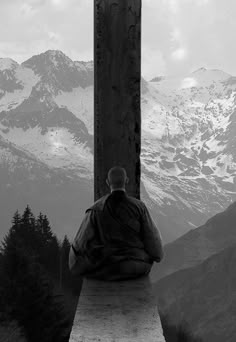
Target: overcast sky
[(178, 36)]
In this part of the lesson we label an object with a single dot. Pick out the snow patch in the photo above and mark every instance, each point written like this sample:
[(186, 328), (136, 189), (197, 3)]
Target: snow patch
[(57, 148), (28, 79), (188, 82), (80, 102), (7, 64)]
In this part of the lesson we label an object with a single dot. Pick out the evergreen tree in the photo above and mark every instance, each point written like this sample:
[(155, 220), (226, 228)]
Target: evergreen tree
[(28, 218), (26, 291), (16, 221), (66, 245), (44, 228), (31, 301), (54, 257), (67, 279), (23, 233), (49, 246)]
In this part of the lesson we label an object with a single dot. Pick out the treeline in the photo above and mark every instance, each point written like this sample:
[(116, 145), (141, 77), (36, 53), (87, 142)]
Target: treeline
[(38, 294), (35, 279)]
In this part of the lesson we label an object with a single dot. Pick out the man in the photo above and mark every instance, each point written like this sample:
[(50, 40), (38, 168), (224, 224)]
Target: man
[(117, 238)]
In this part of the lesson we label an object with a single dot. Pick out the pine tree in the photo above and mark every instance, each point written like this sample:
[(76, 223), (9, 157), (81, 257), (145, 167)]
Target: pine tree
[(44, 228), (27, 293), (65, 250), (47, 243), (66, 244), (32, 302), (28, 218), (16, 221), (14, 230), (65, 272), (24, 233)]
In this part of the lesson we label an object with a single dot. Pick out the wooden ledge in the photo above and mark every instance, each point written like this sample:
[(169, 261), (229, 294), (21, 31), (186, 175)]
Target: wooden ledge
[(117, 311)]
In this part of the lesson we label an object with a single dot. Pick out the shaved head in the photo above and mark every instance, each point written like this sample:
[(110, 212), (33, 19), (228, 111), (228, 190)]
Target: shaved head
[(117, 177)]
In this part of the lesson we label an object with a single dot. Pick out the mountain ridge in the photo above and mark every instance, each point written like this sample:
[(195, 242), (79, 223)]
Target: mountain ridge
[(191, 249), (188, 156), (203, 296)]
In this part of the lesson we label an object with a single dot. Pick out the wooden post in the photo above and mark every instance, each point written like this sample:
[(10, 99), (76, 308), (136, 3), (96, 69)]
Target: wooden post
[(117, 73), (122, 311)]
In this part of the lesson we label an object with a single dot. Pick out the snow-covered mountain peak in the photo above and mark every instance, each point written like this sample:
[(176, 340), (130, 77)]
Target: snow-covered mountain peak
[(49, 61), (188, 132), (208, 76), (59, 73), (200, 70), (58, 58), (7, 64), (193, 85)]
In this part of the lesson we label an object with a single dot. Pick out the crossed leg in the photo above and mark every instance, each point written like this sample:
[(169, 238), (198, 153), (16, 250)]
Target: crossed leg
[(122, 270)]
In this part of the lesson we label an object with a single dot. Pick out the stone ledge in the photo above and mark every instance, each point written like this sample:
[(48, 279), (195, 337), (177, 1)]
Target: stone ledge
[(117, 311)]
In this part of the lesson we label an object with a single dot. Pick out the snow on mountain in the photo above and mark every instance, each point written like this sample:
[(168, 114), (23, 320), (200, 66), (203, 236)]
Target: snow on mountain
[(187, 144), (56, 148), (188, 141), (80, 102), (7, 64), (208, 76), (23, 81), (58, 72), (25, 179)]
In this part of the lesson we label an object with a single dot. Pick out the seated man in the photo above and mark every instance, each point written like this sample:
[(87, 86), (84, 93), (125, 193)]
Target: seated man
[(117, 238)]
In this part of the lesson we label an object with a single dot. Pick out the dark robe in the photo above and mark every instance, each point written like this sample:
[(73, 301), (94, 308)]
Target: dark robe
[(117, 239)]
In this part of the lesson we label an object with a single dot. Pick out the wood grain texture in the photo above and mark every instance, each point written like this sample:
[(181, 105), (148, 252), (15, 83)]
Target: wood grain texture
[(117, 115), (123, 311)]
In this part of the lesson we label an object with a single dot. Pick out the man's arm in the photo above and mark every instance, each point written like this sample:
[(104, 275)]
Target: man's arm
[(151, 237), (78, 248)]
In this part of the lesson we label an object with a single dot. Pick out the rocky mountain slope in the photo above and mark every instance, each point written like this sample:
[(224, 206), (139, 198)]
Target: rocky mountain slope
[(188, 142), (204, 296), (191, 249), (27, 180)]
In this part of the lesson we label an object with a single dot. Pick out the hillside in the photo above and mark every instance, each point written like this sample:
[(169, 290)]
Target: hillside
[(204, 296), (217, 234)]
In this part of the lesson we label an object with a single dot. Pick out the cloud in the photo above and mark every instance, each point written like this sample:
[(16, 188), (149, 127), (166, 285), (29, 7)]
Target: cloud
[(178, 36), (153, 63), (26, 9), (179, 54), (61, 4), (174, 6), (42, 24)]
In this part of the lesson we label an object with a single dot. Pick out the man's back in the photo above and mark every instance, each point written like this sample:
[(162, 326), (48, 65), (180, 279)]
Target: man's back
[(118, 221), (122, 225)]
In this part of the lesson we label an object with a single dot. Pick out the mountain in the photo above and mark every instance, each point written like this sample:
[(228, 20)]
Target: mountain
[(191, 249), (204, 296), (188, 155), (25, 179)]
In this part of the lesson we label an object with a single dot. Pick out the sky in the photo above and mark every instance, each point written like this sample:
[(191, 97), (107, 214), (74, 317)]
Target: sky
[(178, 36)]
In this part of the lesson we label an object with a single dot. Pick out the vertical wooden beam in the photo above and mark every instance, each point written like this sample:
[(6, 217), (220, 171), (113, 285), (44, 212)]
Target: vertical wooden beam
[(117, 68), (122, 311)]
